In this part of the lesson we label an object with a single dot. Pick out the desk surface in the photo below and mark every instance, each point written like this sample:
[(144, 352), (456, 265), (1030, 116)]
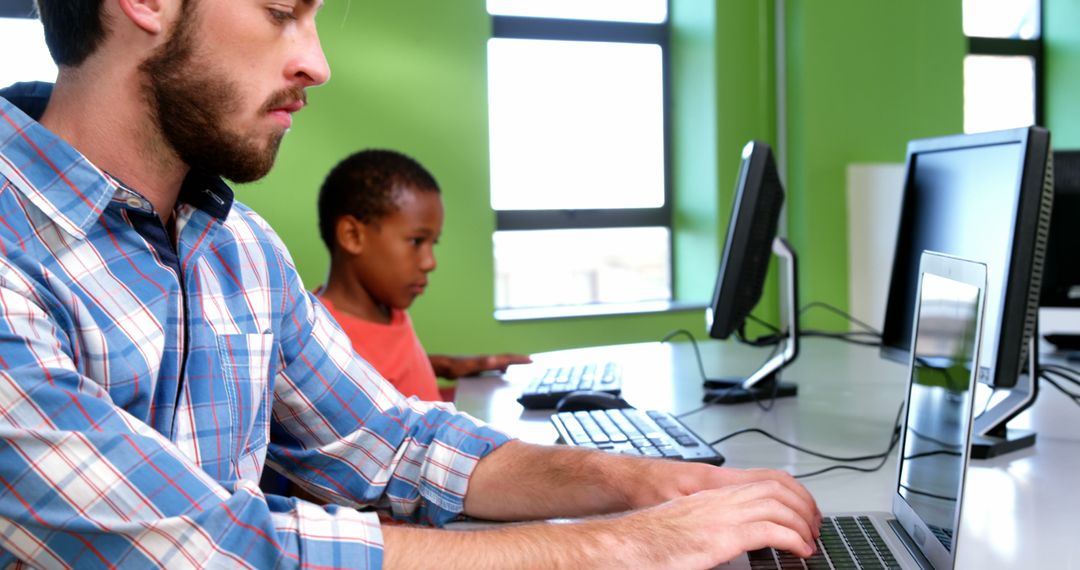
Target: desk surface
[(1021, 510)]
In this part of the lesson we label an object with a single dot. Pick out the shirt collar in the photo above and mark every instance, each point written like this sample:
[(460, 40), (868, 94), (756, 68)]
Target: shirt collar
[(60, 181)]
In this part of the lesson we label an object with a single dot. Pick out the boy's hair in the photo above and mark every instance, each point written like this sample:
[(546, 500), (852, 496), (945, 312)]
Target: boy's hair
[(365, 186), (74, 29)]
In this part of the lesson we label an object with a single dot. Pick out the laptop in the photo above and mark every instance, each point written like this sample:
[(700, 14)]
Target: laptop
[(922, 529)]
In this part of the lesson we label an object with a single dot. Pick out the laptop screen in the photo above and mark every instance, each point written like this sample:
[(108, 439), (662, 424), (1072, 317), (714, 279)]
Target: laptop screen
[(939, 404)]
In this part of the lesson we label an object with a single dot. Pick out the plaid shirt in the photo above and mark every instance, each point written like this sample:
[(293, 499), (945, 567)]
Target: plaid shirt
[(145, 380)]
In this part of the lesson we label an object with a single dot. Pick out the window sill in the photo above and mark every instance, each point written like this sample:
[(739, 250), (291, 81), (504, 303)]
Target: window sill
[(597, 310)]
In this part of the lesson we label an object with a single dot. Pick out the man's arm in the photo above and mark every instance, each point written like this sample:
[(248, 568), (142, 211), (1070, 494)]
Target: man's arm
[(84, 483), (700, 516)]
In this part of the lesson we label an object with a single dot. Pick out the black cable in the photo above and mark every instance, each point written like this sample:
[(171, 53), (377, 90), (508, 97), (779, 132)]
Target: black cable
[(934, 440), (927, 494), (693, 343), (931, 453), (1046, 375), (845, 337), (884, 457), (764, 340), (723, 394), (1068, 374), (757, 320), (844, 314), (1074, 397)]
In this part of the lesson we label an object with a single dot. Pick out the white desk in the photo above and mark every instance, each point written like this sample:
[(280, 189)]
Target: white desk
[(1021, 510)]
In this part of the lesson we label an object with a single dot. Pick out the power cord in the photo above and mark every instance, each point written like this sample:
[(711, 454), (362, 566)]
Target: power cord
[(869, 336), (883, 457), (765, 405), (866, 328), (1050, 371)]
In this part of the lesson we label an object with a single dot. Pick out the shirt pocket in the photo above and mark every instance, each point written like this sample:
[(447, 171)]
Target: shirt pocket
[(246, 364)]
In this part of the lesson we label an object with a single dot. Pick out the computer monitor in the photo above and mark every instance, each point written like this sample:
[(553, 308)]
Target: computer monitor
[(1061, 275), (751, 241), (985, 197)]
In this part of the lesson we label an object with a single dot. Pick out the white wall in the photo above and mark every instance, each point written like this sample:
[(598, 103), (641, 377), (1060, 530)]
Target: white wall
[(874, 192)]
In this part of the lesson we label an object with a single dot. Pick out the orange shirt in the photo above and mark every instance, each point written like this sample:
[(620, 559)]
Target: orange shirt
[(393, 349)]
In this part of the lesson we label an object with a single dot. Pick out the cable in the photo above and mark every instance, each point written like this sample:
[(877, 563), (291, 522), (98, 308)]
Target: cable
[(844, 314), (884, 457), (729, 390), (932, 453), (693, 343), (842, 336), (1074, 397), (927, 494), (1063, 372), (775, 336)]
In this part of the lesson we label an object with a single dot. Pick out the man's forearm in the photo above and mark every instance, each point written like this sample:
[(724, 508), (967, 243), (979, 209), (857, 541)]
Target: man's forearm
[(522, 481), (587, 544)]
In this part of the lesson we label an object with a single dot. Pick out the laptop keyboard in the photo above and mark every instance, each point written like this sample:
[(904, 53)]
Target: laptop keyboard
[(846, 543), (636, 432), (553, 384)]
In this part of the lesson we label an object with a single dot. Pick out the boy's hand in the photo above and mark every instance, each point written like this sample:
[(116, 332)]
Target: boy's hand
[(452, 367)]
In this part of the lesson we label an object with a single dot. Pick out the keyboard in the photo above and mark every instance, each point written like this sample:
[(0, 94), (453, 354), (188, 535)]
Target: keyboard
[(636, 432), (845, 542), (554, 383)]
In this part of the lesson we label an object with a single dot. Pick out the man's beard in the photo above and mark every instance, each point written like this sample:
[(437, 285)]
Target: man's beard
[(191, 104)]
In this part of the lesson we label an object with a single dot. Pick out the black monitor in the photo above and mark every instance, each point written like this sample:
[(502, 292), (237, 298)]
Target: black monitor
[(985, 197), (1061, 276), (751, 241)]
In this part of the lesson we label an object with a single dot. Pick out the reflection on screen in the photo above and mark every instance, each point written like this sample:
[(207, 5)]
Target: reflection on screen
[(939, 414), (957, 194)]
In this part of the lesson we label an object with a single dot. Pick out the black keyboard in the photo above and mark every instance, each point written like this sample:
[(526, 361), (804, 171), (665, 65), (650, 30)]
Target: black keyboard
[(554, 383), (845, 543), (636, 432)]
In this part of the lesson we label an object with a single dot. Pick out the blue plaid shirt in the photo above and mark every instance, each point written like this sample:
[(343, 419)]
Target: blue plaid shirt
[(146, 380)]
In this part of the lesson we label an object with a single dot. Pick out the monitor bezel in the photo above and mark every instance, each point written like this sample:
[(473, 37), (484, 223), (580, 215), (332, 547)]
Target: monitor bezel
[(757, 166), (1023, 285)]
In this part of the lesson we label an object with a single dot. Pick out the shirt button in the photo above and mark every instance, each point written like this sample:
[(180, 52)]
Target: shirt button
[(134, 202)]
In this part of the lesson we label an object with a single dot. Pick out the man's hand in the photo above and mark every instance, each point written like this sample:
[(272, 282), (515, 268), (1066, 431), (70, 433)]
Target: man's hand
[(687, 514), (452, 367)]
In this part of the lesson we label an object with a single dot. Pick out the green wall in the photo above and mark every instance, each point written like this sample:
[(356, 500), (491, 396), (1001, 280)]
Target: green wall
[(410, 75), (1061, 43), (863, 78)]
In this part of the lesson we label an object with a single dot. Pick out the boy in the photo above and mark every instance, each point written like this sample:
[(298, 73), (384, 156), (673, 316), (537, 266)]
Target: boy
[(380, 215)]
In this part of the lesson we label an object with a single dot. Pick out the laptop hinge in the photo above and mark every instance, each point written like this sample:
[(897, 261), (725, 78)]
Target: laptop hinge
[(909, 544)]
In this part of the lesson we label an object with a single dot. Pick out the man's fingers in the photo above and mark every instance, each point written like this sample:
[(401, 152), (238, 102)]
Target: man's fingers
[(773, 490), (750, 476), (768, 534)]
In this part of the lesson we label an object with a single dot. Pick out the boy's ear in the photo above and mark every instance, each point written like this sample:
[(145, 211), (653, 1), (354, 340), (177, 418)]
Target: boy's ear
[(349, 233)]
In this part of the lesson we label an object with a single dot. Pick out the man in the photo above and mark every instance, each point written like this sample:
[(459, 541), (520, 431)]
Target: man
[(157, 347)]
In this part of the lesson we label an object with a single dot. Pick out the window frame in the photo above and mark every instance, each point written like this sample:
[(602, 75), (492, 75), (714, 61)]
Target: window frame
[(533, 28), (1033, 48), (18, 9)]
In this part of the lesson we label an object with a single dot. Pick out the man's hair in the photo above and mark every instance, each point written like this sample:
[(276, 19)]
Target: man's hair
[(366, 186), (73, 28)]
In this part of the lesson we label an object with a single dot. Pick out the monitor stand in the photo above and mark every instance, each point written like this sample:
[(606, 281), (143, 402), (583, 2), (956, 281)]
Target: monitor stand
[(763, 383), (992, 435)]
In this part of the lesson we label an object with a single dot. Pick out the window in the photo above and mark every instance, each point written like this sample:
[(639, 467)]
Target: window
[(1003, 68), (25, 37), (576, 95)]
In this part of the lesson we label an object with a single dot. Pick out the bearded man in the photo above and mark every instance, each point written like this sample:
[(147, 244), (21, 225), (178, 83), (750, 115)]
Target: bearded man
[(158, 350)]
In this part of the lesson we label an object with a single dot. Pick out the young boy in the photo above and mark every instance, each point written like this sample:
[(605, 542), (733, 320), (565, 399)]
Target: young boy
[(380, 215)]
